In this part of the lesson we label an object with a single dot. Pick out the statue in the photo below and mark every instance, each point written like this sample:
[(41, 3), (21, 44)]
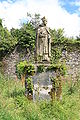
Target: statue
[(43, 42)]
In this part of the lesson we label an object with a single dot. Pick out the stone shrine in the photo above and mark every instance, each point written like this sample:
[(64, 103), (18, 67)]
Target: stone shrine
[(41, 81)]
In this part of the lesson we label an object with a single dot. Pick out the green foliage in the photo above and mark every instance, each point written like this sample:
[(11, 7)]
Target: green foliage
[(24, 67), (7, 42), (25, 36), (53, 67), (57, 36), (63, 69), (20, 67), (29, 85), (15, 106), (34, 19), (29, 69), (15, 32), (60, 42), (54, 83), (57, 39), (0, 22), (60, 67), (40, 68), (55, 54), (78, 38), (4, 115)]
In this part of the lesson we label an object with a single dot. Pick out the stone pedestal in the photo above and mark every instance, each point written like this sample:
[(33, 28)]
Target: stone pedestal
[(42, 84)]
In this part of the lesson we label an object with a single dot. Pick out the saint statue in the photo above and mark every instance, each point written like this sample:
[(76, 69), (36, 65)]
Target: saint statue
[(43, 42)]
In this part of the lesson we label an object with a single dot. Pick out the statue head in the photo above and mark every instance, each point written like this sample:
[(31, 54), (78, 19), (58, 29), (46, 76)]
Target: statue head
[(44, 20)]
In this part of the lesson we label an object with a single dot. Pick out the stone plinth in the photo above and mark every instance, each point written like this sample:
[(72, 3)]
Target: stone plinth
[(42, 86)]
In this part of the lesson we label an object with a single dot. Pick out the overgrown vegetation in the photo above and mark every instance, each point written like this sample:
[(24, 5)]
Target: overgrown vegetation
[(29, 86), (40, 68), (24, 67), (24, 37), (60, 67), (7, 42), (15, 106), (60, 43), (24, 72)]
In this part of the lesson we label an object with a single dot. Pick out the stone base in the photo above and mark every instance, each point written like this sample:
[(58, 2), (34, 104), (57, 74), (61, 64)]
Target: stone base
[(42, 86)]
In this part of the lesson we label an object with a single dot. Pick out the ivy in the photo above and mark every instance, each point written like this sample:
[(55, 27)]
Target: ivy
[(60, 67), (29, 85), (24, 67), (40, 68)]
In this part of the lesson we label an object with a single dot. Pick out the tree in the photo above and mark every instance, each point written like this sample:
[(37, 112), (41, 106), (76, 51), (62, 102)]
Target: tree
[(78, 38), (34, 19), (0, 22), (7, 42), (25, 36)]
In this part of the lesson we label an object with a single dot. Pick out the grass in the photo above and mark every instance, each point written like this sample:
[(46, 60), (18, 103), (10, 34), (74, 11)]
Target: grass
[(15, 106)]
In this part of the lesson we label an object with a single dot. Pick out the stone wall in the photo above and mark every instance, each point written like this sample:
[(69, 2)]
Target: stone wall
[(71, 57), (9, 62)]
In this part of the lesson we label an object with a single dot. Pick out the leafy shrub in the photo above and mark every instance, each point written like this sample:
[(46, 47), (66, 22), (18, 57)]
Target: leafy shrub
[(25, 36), (40, 68), (7, 42), (60, 67), (24, 67)]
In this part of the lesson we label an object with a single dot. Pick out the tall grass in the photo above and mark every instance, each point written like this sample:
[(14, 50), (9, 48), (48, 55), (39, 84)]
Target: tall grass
[(15, 106)]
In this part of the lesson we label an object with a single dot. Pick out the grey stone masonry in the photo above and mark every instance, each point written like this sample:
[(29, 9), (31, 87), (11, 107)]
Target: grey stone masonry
[(72, 60)]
